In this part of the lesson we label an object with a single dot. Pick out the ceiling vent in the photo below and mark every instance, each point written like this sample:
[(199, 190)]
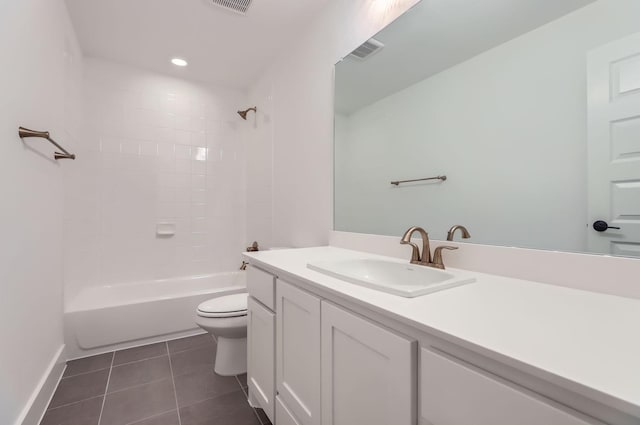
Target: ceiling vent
[(367, 49), (237, 6)]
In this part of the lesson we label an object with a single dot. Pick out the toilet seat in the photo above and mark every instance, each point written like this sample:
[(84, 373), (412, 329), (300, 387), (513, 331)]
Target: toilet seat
[(227, 306)]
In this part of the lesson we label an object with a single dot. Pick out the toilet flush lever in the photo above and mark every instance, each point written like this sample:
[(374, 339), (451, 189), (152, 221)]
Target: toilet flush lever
[(601, 226)]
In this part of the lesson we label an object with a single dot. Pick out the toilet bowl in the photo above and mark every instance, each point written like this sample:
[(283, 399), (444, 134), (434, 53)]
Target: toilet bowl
[(226, 319)]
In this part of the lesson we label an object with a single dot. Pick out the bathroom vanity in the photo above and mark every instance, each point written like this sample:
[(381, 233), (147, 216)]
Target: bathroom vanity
[(498, 351)]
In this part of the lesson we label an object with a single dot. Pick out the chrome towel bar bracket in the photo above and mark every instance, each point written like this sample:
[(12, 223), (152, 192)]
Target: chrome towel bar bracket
[(399, 182), (25, 132)]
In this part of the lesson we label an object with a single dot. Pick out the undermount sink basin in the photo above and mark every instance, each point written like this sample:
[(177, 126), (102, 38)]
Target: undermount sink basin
[(406, 280)]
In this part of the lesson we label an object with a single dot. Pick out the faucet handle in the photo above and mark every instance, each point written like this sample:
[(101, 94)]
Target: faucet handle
[(437, 255)]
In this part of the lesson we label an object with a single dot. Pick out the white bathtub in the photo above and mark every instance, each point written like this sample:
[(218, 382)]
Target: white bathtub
[(114, 316)]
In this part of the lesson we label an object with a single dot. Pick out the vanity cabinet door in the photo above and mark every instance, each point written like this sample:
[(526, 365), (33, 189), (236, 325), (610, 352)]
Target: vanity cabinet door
[(368, 372), (298, 352), (261, 356), (456, 393)]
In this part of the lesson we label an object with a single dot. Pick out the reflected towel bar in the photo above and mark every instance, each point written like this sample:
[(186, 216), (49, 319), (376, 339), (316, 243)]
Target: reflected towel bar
[(25, 132), (398, 182)]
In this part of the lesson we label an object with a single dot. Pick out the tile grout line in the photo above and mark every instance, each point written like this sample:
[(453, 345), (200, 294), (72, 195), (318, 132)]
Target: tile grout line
[(84, 373), (153, 381), (139, 360), (104, 397), (74, 402), (149, 417), (197, 347), (173, 382), (217, 396)]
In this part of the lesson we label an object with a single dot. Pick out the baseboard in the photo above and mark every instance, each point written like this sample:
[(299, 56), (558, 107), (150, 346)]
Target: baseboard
[(41, 396)]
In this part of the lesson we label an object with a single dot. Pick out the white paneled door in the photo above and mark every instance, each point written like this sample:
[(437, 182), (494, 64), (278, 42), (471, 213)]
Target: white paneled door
[(614, 147)]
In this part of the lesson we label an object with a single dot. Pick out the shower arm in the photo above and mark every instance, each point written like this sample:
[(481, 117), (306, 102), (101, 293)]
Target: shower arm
[(25, 132), (243, 114)]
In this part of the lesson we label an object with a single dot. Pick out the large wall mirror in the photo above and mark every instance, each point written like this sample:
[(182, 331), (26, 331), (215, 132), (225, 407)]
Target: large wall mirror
[(531, 109)]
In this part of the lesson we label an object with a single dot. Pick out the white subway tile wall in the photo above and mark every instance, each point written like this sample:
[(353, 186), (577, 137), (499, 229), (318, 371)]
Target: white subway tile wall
[(154, 149)]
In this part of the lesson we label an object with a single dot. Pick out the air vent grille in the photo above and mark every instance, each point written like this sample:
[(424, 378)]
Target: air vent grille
[(367, 49), (237, 6)]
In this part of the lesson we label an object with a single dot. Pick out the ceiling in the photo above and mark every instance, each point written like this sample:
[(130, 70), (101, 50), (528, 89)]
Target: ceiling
[(221, 47), (436, 35)]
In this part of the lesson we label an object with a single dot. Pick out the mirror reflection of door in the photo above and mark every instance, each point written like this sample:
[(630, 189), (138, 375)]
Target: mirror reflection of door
[(614, 147)]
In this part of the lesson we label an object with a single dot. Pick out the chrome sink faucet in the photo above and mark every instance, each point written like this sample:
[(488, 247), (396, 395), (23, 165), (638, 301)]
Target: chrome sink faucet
[(424, 258)]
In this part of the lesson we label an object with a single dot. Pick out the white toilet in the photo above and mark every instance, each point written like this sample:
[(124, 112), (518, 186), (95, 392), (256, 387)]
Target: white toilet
[(226, 318)]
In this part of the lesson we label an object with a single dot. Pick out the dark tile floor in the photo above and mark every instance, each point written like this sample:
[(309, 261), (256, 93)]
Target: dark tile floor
[(167, 383)]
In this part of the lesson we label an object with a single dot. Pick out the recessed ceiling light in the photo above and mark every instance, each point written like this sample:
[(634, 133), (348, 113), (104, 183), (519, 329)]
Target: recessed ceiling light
[(179, 62)]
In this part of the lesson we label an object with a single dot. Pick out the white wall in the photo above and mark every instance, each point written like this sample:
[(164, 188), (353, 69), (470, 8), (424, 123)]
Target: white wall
[(40, 64), (508, 128), (156, 149), (302, 116), (260, 167)]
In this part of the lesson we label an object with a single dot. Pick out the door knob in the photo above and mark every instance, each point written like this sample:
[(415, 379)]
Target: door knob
[(601, 226)]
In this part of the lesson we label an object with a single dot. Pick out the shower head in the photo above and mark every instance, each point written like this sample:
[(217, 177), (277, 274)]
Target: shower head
[(244, 113)]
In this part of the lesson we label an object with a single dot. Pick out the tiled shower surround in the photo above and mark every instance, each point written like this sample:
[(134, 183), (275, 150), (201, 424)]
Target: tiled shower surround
[(167, 383), (154, 149)]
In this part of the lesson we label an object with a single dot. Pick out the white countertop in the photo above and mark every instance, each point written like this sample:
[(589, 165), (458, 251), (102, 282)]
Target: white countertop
[(588, 339)]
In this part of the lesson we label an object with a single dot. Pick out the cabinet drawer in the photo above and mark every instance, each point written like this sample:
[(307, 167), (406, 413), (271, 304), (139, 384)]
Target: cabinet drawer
[(261, 286), (455, 393), (283, 415)]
